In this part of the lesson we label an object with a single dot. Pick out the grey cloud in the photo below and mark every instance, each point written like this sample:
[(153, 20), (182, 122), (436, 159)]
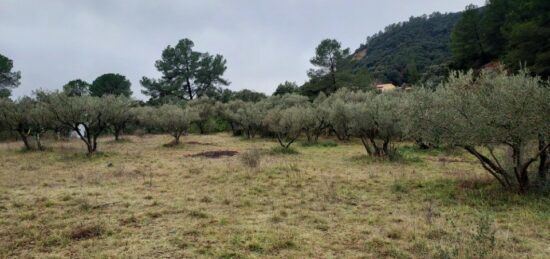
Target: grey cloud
[(265, 42)]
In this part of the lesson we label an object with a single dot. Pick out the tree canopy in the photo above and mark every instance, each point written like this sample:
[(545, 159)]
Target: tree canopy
[(8, 79), (77, 87), (186, 74), (408, 52), (513, 32), (500, 119), (286, 88), (329, 59), (111, 84)]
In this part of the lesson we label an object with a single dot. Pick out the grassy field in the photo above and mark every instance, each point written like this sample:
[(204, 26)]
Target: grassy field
[(141, 199)]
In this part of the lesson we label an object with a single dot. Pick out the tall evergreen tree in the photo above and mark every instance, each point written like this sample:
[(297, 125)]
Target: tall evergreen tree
[(76, 87), (8, 79), (329, 59), (286, 88), (528, 32), (492, 20), (514, 32), (111, 84), (466, 40), (209, 75), (186, 74)]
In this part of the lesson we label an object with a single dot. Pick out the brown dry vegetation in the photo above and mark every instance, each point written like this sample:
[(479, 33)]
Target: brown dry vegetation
[(140, 199)]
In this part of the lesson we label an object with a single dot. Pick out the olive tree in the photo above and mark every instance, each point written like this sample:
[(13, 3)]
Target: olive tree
[(253, 116), (120, 113), (418, 108), (243, 117), (339, 113), (13, 118), (28, 118), (250, 117), (206, 108), (500, 119), (84, 115), (376, 120), (316, 119), (229, 112), (285, 123), (169, 118), (41, 119)]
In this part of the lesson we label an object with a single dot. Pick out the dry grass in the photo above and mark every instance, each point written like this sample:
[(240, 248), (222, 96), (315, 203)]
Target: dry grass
[(140, 199)]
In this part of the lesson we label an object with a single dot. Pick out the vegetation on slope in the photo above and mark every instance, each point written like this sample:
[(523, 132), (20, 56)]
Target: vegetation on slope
[(411, 51), (514, 32)]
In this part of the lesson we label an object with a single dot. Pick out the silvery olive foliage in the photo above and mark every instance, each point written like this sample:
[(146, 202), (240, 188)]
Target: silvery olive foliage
[(338, 113), (250, 116), (28, 118), (316, 120), (285, 123), (206, 108), (120, 113), (228, 111), (169, 118), (376, 119), (85, 116), (502, 120), (284, 116)]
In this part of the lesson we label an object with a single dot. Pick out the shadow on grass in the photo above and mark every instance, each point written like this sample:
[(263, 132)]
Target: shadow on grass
[(173, 145), (25, 150), (324, 143), (119, 141), (394, 159), (437, 151), (83, 156)]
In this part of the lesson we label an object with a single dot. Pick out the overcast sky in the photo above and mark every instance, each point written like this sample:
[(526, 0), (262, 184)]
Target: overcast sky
[(264, 42)]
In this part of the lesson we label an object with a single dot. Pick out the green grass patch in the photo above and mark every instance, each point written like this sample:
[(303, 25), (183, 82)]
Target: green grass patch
[(324, 143), (396, 158), (284, 151), (435, 151)]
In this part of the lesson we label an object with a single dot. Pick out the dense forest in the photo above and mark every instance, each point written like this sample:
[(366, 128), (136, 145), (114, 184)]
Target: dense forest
[(512, 32), (509, 32), (411, 51)]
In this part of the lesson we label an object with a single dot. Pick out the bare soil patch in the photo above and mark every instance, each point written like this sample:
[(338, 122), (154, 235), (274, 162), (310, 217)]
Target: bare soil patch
[(215, 154)]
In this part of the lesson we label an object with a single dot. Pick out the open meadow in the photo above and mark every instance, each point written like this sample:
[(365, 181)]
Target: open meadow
[(138, 198)]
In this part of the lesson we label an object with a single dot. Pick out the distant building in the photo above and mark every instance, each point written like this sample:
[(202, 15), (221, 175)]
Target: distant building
[(385, 87)]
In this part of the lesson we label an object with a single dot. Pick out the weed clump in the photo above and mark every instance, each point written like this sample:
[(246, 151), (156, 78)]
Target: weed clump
[(86, 231), (251, 158)]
